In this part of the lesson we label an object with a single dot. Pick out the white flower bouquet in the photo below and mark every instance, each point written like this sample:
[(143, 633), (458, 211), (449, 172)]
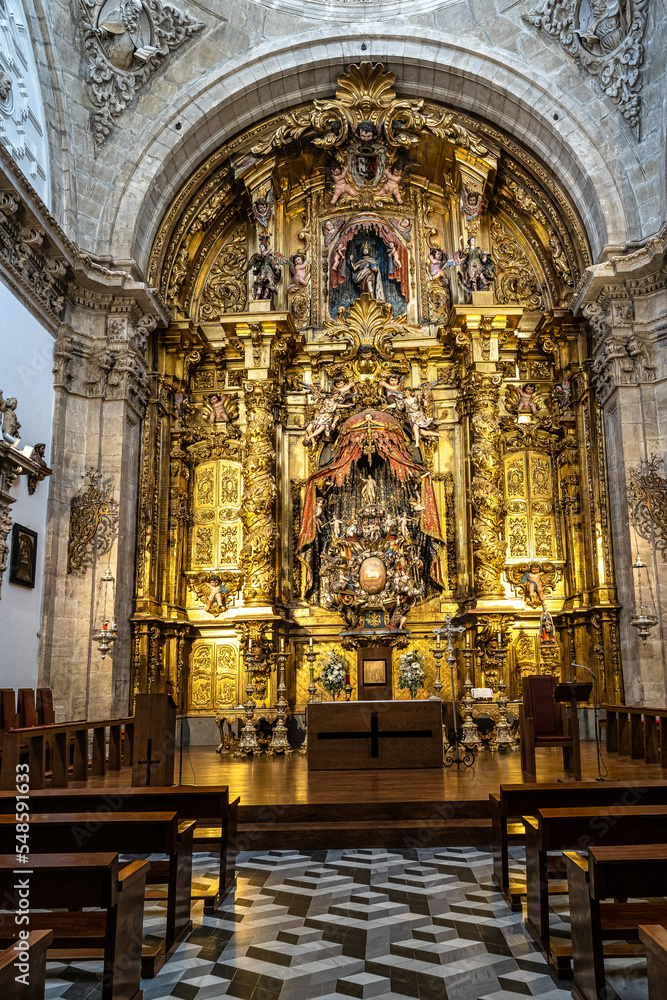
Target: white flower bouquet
[(411, 672), (334, 671)]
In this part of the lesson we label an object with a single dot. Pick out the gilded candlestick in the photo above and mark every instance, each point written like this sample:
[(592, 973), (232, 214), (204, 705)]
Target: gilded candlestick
[(279, 742), (248, 742)]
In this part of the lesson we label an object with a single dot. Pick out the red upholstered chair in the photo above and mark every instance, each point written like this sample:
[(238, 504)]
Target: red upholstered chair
[(544, 724)]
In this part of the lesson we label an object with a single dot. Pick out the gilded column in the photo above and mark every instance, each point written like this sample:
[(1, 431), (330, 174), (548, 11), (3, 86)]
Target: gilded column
[(482, 392), (258, 511)]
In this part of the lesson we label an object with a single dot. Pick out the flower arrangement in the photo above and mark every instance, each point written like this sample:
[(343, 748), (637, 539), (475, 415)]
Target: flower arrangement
[(334, 671), (411, 672)]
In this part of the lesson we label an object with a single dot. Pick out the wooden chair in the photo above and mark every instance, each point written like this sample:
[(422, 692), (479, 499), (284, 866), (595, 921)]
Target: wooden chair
[(544, 724)]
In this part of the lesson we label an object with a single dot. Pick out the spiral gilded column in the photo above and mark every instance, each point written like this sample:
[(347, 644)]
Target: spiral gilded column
[(481, 395), (258, 510)]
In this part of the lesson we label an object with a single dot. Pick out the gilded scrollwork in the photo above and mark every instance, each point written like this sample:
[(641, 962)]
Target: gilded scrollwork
[(93, 521), (516, 282), (647, 495), (226, 287)]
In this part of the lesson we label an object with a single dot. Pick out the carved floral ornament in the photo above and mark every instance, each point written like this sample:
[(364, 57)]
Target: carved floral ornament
[(605, 36), (126, 41), (647, 497)]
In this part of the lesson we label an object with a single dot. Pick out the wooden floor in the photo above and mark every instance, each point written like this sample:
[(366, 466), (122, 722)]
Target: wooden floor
[(284, 806), (286, 780)]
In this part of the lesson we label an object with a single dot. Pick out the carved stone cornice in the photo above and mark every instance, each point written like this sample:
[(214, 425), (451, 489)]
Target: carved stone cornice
[(49, 273), (622, 355), (642, 270)]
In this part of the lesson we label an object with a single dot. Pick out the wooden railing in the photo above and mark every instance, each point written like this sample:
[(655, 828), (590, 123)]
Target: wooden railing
[(67, 745)]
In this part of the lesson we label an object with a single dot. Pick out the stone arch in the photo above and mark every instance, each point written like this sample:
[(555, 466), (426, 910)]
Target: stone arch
[(243, 91)]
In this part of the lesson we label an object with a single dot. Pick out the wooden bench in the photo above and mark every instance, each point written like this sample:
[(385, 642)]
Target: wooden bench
[(32, 955), (577, 828), (513, 801), (611, 873), (65, 741), (216, 818), (654, 939), (637, 732), (124, 833), (111, 929)]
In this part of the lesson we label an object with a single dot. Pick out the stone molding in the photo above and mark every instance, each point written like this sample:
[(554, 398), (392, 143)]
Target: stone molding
[(59, 283), (609, 47), (125, 50)]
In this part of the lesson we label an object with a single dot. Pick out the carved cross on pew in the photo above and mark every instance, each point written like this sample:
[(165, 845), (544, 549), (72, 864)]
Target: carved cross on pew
[(149, 763), (374, 735)]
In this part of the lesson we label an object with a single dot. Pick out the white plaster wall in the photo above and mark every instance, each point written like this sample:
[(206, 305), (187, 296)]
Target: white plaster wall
[(26, 360)]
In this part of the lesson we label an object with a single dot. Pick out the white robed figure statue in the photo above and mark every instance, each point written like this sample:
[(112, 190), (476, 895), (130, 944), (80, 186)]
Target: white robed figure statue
[(366, 274)]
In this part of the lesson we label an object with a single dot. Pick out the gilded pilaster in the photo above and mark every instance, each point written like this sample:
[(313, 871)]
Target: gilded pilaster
[(258, 511), (481, 392)]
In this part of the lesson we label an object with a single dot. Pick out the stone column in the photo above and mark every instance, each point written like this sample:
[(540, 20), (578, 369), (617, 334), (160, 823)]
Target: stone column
[(625, 302)]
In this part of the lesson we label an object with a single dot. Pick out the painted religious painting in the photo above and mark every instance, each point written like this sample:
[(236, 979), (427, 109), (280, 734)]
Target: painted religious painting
[(24, 556)]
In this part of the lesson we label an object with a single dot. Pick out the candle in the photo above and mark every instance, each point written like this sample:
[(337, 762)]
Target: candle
[(347, 680), (310, 642), (468, 639), (437, 640), (249, 644), (282, 644)]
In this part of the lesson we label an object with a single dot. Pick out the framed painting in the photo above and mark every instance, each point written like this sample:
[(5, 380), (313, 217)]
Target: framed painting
[(375, 673), (24, 556)]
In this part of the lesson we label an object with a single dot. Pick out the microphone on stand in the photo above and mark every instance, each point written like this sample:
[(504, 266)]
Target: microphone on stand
[(582, 666)]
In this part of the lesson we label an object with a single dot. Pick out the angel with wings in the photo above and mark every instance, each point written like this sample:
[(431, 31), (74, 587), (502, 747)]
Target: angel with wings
[(330, 412), (523, 399), (420, 424), (266, 267)]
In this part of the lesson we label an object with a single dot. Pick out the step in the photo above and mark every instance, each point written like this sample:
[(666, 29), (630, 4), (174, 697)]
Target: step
[(364, 985), (432, 932), (286, 953), (530, 984), (456, 949), (299, 935)]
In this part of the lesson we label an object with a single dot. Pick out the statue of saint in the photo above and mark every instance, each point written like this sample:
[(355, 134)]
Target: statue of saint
[(366, 275), (124, 36)]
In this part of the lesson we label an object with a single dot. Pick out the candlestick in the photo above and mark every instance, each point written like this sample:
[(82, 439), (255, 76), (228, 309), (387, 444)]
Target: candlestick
[(310, 642), (502, 738), (248, 742), (311, 656), (279, 742), (453, 754)]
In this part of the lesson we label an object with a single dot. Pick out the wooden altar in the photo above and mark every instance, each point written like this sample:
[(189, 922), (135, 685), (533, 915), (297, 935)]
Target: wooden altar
[(373, 735)]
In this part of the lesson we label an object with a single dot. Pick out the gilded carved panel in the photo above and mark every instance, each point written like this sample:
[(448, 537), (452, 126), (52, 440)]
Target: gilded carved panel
[(530, 521)]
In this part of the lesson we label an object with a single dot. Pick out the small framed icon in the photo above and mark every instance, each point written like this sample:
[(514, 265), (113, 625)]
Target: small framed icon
[(24, 556), (375, 673)]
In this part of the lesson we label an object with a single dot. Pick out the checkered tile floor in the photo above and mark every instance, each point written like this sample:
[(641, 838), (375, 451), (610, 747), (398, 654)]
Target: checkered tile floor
[(423, 924)]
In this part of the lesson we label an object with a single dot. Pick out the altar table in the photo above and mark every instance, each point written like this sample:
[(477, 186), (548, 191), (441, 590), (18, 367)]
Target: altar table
[(372, 735)]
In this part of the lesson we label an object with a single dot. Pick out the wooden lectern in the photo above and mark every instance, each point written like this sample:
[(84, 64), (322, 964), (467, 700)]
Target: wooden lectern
[(154, 740)]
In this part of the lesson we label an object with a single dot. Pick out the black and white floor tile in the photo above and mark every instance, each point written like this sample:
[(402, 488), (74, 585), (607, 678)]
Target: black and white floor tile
[(331, 925)]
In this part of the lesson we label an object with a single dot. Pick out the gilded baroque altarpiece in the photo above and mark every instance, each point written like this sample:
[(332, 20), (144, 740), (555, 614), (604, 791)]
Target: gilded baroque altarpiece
[(371, 408)]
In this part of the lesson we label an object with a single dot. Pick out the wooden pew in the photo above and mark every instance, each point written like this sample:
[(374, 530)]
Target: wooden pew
[(576, 828), (513, 801), (611, 873), (654, 939), (113, 933), (209, 805), (637, 732), (34, 950), (125, 833)]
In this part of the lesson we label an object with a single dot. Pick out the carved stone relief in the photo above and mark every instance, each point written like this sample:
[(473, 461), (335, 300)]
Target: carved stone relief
[(125, 42), (606, 38)]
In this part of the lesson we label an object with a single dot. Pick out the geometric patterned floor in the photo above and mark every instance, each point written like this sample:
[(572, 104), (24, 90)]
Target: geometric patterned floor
[(422, 923)]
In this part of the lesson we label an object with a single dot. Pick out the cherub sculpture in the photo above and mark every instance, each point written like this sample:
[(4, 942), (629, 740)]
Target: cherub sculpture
[(341, 184), (262, 209), (222, 408), (298, 269), (523, 399), (394, 391), (217, 596), (532, 585), (330, 411), (437, 262), (471, 203), (392, 178)]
